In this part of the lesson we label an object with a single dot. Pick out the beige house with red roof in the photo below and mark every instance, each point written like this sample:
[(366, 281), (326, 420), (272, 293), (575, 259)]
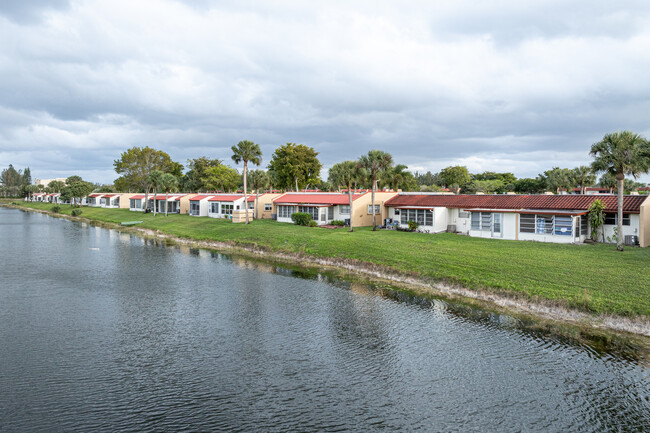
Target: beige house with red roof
[(325, 207), (545, 218)]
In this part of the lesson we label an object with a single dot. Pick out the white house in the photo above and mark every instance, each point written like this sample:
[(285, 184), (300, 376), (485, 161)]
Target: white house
[(136, 203), (94, 199), (223, 205), (111, 201), (173, 203), (545, 218), (199, 205)]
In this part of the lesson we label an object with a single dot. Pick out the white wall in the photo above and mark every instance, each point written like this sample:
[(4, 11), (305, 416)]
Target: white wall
[(632, 229)]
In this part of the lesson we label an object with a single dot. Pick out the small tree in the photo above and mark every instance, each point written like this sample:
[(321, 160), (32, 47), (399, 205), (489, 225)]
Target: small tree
[(597, 219), (168, 182), (375, 163), (259, 179), (155, 180), (619, 154), (246, 151), (345, 174)]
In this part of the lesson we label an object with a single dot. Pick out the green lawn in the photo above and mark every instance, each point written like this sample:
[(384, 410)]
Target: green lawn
[(592, 277)]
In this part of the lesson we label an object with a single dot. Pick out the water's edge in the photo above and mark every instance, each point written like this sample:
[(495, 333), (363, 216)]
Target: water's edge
[(536, 315)]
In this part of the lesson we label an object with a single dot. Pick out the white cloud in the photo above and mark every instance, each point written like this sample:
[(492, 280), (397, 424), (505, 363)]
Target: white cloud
[(505, 85)]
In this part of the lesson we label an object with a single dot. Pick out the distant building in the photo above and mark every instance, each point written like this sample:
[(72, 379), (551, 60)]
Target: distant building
[(46, 182)]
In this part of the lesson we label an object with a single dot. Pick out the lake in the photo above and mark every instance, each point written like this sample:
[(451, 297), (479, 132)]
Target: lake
[(105, 331)]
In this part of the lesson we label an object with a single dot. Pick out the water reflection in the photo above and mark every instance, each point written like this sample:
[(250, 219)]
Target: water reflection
[(103, 331)]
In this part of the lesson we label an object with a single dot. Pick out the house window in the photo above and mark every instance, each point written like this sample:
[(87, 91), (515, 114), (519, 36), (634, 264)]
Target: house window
[(584, 225), (214, 207), (135, 203), (195, 208), (486, 221), (330, 213), (476, 220), (285, 211), (226, 209), (311, 210), (268, 207), (344, 209), (558, 225), (612, 219), (370, 209), (423, 217), (563, 225), (251, 205)]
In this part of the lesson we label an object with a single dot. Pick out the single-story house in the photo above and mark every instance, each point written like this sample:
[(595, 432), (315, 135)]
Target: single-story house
[(199, 205), (545, 218), (325, 207), (223, 205), (136, 203), (173, 203), (55, 198), (94, 199), (593, 190), (111, 201)]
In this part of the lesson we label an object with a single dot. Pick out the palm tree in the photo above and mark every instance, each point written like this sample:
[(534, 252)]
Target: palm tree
[(345, 173), (621, 153), (259, 179), (168, 182), (375, 162), (583, 176), (155, 179), (246, 151)]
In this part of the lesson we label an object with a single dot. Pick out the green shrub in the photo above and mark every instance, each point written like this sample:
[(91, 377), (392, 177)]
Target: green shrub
[(413, 226), (313, 223), (301, 218), (56, 208), (75, 212), (338, 223)]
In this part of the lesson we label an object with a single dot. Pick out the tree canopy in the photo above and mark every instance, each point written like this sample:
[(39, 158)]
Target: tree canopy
[(137, 163), (221, 178), (295, 166)]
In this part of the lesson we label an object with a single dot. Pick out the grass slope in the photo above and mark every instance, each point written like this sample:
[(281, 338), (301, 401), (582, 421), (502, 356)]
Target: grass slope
[(592, 277)]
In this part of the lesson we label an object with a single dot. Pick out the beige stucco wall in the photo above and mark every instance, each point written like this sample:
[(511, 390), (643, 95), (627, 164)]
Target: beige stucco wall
[(124, 199), (185, 203), (644, 223), (360, 215), (265, 199)]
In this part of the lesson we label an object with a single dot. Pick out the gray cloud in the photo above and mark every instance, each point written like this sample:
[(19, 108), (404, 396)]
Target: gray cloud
[(515, 86)]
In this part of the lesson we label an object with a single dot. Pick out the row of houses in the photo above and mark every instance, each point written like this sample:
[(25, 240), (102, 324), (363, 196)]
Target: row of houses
[(545, 218)]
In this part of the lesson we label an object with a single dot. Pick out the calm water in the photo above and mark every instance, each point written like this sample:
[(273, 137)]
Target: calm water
[(102, 331)]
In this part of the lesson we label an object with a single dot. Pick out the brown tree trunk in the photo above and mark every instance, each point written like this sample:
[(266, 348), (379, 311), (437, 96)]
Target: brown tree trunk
[(619, 242), (374, 221), (245, 192), (350, 197)]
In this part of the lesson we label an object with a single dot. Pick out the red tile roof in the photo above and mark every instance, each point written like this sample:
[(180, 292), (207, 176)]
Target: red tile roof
[(137, 197), (226, 197), (329, 199), (631, 203), (170, 198), (110, 195), (199, 197), (644, 188)]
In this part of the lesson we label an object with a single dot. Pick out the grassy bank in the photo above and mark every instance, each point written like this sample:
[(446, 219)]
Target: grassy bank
[(589, 277)]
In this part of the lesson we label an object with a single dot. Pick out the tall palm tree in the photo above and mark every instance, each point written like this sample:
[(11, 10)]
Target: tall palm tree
[(375, 162), (168, 182), (155, 179), (621, 153), (345, 173), (583, 176), (246, 151), (259, 179)]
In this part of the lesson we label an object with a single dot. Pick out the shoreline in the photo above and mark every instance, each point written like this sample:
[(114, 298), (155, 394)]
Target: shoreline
[(547, 312)]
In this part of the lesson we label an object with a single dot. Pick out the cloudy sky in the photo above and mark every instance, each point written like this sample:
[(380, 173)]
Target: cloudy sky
[(504, 85)]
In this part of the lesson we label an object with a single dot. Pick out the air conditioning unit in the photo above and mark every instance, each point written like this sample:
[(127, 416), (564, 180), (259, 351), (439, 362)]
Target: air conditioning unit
[(631, 240)]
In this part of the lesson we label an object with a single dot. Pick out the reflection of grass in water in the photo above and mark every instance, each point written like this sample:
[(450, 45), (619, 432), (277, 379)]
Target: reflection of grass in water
[(588, 277)]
